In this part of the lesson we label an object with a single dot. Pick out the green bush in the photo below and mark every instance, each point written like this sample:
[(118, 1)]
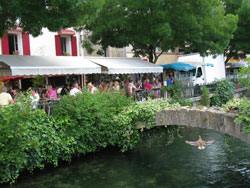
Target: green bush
[(244, 75), (224, 92), (205, 96), (175, 92), (233, 104), (243, 117), (90, 120), (30, 139), (143, 113), (27, 141)]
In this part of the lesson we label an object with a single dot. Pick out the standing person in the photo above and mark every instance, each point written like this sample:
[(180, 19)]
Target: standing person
[(51, 94), (75, 89), (169, 81), (5, 98)]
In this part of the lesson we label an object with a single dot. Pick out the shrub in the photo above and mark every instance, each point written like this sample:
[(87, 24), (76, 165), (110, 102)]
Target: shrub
[(90, 120), (27, 141), (174, 89), (244, 75), (176, 94), (223, 93), (243, 117), (205, 96), (30, 139), (233, 104), (128, 119)]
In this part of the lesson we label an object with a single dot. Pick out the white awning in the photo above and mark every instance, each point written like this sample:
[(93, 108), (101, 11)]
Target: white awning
[(125, 65), (17, 65)]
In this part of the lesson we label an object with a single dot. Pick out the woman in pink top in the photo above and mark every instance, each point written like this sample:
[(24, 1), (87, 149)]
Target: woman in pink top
[(51, 94), (147, 85)]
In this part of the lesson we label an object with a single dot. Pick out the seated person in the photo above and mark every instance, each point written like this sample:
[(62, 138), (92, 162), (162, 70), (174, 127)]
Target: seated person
[(131, 88), (157, 84), (5, 98), (65, 90), (116, 86), (51, 94), (34, 98), (147, 85), (139, 85), (92, 88), (75, 90)]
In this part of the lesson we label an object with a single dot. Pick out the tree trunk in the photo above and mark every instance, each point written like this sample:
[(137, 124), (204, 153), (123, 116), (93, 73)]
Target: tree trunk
[(151, 54)]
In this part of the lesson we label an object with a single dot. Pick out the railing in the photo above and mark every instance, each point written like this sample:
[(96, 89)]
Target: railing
[(195, 91), (47, 105)]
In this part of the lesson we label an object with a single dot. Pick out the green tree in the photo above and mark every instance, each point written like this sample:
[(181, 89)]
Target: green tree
[(153, 27), (32, 16), (239, 44)]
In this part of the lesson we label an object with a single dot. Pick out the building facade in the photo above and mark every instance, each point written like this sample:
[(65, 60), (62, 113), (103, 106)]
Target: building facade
[(62, 43)]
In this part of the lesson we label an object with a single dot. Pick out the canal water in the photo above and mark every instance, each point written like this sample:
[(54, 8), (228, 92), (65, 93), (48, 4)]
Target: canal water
[(160, 160)]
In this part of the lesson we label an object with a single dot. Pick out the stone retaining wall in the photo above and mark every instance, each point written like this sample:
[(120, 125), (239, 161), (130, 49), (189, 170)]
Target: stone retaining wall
[(202, 118)]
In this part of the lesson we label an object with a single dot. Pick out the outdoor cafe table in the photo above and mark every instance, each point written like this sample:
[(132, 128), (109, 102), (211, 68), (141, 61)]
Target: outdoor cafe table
[(46, 104)]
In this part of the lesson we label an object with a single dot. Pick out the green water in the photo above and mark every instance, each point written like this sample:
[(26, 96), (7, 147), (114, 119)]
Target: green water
[(155, 162)]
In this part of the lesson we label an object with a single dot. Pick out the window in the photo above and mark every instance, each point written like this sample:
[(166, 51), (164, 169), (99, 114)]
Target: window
[(63, 46), (13, 44), (199, 72), (66, 44)]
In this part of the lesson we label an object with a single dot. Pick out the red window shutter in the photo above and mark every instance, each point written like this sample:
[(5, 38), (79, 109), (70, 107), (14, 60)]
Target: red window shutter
[(26, 43), (5, 45), (73, 46), (58, 45)]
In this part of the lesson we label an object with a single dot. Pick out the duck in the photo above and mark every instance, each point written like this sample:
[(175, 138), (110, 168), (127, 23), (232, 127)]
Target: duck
[(201, 144)]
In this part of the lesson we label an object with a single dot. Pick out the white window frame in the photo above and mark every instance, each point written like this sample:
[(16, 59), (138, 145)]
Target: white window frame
[(19, 40), (68, 43)]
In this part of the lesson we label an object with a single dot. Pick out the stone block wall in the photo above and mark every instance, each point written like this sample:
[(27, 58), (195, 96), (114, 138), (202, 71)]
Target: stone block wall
[(202, 118)]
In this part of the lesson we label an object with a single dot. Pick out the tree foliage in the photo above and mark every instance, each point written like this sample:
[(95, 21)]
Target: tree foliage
[(156, 26), (244, 75), (239, 44), (32, 16)]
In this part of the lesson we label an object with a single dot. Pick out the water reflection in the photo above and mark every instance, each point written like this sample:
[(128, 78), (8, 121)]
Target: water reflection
[(156, 162)]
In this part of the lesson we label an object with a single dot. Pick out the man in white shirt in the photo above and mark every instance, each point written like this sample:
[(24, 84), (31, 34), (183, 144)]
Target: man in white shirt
[(74, 90), (5, 98)]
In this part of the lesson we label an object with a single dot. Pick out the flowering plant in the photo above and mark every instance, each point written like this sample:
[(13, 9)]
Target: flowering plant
[(16, 52)]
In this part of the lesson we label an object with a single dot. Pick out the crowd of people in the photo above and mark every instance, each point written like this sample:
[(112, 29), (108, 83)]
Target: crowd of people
[(49, 93)]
